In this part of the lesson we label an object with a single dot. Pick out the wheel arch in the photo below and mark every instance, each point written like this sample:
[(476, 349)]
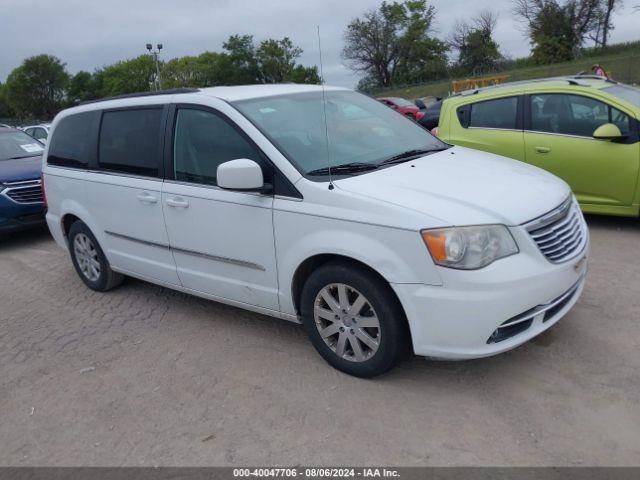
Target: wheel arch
[(309, 265)]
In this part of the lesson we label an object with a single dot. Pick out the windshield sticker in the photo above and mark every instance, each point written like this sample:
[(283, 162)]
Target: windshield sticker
[(31, 147)]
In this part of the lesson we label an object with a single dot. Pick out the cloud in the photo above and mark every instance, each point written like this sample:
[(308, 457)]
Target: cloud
[(89, 34)]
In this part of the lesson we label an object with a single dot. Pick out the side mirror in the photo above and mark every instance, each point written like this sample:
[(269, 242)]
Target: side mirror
[(242, 174), (608, 131)]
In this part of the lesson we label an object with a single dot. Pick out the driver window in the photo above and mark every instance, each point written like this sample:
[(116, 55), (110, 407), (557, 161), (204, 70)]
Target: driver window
[(573, 115), (204, 140)]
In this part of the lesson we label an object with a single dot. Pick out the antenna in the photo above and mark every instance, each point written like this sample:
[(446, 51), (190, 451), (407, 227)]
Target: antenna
[(324, 110)]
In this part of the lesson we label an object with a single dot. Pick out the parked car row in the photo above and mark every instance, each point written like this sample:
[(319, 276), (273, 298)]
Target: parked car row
[(324, 207)]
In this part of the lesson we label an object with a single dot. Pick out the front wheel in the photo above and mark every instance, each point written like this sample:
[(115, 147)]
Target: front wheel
[(353, 319)]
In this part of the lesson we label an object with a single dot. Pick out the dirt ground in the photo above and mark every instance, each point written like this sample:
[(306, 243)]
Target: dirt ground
[(143, 375)]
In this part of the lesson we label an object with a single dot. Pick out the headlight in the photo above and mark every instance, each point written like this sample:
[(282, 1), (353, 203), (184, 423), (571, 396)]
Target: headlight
[(469, 248)]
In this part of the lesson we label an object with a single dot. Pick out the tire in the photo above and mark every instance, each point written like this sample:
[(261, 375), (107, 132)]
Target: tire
[(348, 345), (89, 260)]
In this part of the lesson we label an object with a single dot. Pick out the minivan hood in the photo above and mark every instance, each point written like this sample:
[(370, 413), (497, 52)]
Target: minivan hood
[(460, 186), (20, 169)]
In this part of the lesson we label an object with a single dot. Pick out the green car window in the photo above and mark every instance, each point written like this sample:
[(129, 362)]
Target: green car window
[(500, 113), (573, 115)]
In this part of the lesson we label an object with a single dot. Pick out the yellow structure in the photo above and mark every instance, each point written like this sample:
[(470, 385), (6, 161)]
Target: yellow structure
[(478, 82)]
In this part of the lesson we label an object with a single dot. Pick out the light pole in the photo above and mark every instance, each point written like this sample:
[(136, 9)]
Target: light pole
[(155, 54)]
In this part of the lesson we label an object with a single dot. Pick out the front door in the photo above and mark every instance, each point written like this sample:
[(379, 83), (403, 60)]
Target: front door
[(559, 139), (222, 241)]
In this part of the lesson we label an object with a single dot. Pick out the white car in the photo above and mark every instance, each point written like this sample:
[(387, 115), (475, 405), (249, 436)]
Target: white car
[(404, 243), (39, 132)]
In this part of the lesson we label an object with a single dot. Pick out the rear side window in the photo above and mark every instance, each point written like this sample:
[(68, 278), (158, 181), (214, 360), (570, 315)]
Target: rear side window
[(130, 141), (204, 140), (73, 141), (501, 113)]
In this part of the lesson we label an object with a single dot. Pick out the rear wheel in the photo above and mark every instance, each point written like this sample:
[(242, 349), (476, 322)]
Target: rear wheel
[(89, 260), (353, 319)]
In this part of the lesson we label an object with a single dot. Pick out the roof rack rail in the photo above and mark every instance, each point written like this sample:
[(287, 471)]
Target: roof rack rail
[(595, 77), (169, 91)]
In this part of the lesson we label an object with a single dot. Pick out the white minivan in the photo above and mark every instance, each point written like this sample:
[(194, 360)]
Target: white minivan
[(318, 206)]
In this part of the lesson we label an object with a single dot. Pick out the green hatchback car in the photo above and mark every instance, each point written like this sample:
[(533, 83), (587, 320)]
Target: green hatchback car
[(586, 130)]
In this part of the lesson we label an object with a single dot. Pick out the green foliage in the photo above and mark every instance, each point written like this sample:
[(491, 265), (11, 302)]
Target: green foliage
[(552, 35), (392, 44), (276, 59), (36, 88), (126, 76), (206, 70), (83, 86), (242, 65), (5, 110)]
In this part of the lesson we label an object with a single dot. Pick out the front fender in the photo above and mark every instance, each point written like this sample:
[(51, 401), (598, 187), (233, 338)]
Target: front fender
[(398, 255)]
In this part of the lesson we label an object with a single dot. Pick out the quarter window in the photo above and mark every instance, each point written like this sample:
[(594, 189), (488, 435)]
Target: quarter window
[(130, 141), (574, 115), (501, 113), (204, 140), (73, 141)]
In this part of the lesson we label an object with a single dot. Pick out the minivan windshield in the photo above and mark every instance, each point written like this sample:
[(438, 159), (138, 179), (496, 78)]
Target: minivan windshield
[(362, 132), (15, 144), (625, 92)]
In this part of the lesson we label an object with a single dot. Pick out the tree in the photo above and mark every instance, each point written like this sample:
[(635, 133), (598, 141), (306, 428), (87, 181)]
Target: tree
[(242, 66), (477, 50), (5, 109), (302, 74), (205, 70), (82, 86), (557, 31), (126, 76), (392, 44), (604, 22), (37, 87), (276, 59)]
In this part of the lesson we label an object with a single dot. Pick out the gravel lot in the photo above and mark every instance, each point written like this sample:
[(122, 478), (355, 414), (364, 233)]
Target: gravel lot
[(147, 376)]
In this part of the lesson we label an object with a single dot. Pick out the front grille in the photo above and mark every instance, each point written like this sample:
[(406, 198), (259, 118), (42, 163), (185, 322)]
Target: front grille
[(560, 234), (25, 192)]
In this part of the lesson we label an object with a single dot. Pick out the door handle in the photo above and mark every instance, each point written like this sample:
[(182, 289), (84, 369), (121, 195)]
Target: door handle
[(177, 203), (146, 197), (542, 149)]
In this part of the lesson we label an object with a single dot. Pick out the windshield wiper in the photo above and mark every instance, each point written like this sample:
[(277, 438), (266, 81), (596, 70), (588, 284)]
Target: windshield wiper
[(410, 154), (344, 168)]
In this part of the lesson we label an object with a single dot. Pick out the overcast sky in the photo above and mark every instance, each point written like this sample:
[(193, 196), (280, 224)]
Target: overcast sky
[(87, 34)]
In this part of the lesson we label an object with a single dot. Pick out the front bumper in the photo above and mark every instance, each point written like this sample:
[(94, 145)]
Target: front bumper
[(525, 294)]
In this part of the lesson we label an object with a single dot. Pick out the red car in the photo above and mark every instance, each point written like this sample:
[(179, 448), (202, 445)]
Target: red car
[(403, 106)]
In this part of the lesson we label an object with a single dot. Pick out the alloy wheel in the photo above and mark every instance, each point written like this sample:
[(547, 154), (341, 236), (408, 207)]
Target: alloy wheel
[(87, 257), (347, 322)]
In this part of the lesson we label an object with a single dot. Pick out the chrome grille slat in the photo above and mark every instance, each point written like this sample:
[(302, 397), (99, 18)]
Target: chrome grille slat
[(24, 192), (565, 233), (561, 243), (560, 234), (554, 228)]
